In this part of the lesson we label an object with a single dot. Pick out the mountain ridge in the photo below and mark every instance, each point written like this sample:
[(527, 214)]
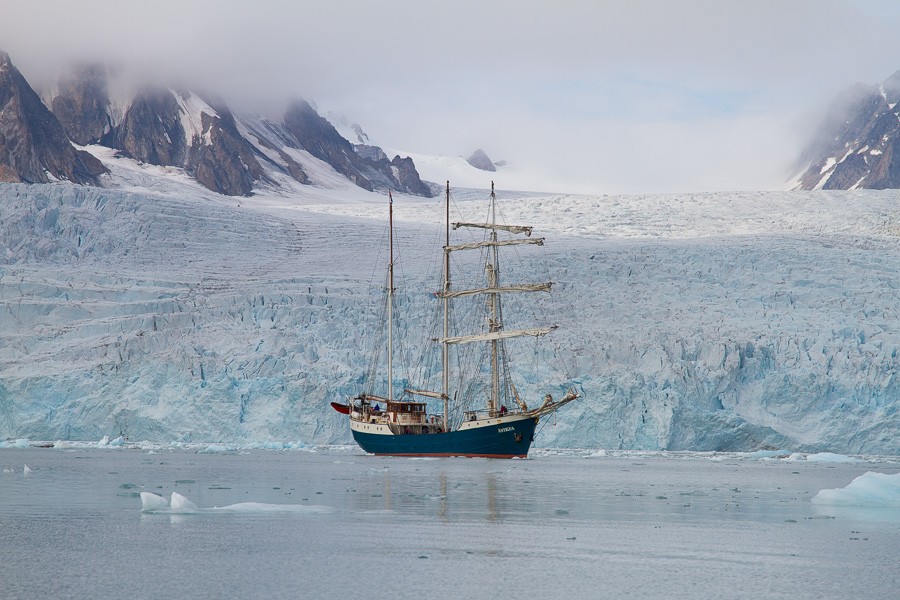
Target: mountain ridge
[(176, 127)]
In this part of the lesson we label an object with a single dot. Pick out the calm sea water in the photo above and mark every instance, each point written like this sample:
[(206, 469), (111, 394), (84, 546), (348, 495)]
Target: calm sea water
[(358, 526)]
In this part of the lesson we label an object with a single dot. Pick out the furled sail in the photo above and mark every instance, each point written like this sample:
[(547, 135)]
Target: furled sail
[(497, 227), (496, 335), (525, 287), (489, 243)]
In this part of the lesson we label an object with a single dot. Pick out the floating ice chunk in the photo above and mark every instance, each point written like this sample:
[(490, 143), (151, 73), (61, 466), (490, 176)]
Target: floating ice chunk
[(153, 502), (216, 449), (119, 441), (261, 507), (104, 441), (26, 470), (869, 489), (181, 504), (765, 454), (19, 443), (830, 457)]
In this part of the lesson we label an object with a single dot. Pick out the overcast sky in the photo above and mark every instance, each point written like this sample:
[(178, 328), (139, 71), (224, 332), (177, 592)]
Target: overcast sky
[(599, 96)]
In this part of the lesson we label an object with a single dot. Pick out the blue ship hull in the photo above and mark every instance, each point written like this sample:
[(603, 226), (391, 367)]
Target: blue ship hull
[(498, 440)]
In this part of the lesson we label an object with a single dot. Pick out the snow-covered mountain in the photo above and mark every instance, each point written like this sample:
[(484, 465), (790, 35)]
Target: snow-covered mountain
[(708, 322), (232, 154), (858, 144)]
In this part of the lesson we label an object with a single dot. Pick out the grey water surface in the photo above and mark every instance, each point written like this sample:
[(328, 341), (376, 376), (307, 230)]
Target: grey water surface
[(335, 523)]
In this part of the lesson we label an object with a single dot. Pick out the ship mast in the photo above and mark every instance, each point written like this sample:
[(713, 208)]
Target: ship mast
[(495, 325), (445, 350), (390, 299)]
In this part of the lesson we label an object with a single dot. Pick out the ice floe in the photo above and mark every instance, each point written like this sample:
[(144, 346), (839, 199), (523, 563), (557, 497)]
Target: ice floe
[(870, 489), (179, 504)]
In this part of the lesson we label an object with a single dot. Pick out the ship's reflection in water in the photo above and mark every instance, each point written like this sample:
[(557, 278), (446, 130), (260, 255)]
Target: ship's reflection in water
[(446, 493)]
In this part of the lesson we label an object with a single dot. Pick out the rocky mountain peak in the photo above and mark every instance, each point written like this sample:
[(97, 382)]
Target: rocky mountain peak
[(891, 87), (858, 143), (366, 166), (151, 131), (82, 103), (34, 146), (480, 160)]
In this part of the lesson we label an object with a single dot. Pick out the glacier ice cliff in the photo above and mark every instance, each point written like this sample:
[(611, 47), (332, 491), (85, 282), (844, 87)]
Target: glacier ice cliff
[(737, 321)]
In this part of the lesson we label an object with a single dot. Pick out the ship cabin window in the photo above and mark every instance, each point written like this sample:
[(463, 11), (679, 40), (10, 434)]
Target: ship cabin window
[(406, 407)]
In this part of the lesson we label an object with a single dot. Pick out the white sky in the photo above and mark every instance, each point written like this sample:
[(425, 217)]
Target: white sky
[(603, 97)]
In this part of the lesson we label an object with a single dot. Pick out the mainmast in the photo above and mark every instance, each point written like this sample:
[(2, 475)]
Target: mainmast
[(445, 374), (495, 325), (390, 298)]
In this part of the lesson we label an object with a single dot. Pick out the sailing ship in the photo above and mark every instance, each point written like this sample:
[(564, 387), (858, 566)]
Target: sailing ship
[(401, 425)]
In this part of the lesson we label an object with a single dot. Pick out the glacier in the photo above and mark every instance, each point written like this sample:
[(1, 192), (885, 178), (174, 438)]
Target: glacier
[(736, 321)]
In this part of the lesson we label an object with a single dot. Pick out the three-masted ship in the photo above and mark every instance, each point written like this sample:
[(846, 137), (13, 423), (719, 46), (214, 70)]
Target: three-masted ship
[(401, 425)]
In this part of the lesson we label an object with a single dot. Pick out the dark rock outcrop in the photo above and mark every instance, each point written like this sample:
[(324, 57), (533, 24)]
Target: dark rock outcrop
[(370, 170), (409, 178), (480, 160), (216, 154), (858, 143), (151, 130), (319, 137), (82, 104), (373, 153), (220, 158), (275, 138), (33, 144)]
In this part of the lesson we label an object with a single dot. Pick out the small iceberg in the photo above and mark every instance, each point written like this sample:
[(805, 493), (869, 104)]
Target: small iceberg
[(153, 502), (26, 470), (831, 457), (181, 504), (217, 449), (876, 490)]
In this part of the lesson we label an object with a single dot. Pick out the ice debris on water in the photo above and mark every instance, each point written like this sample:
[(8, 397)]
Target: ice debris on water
[(18, 443), (179, 504), (823, 457)]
